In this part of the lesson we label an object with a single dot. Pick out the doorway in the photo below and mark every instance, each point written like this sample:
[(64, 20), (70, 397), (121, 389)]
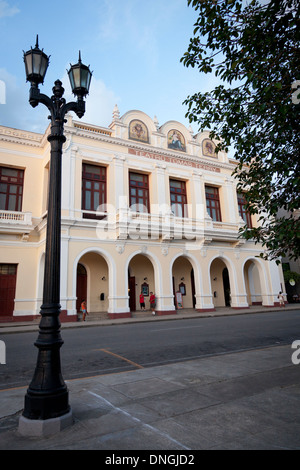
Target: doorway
[(8, 280), (131, 292), (220, 283), (140, 279), (183, 281), (81, 286), (226, 286), (253, 283)]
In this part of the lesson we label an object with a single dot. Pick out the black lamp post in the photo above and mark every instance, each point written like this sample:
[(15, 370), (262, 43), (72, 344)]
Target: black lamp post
[(47, 394)]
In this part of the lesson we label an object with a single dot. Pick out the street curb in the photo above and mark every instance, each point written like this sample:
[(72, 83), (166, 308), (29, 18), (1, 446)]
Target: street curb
[(22, 327)]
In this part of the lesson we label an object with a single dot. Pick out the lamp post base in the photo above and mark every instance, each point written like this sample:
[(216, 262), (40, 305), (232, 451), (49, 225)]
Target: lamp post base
[(44, 427)]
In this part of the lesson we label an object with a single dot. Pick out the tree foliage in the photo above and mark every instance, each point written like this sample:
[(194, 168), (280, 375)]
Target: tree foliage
[(288, 275), (253, 48)]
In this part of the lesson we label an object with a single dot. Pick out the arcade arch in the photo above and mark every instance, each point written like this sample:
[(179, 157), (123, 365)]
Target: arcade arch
[(253, 282), (221, 282), (183, 280), (92, 282), (141, 277)]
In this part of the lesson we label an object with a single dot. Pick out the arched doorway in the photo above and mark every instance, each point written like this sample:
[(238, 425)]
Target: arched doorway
[(220, 283), (81, 286), (92, 282), (226, 286), (140, 279), (183, 282), (252, 283)]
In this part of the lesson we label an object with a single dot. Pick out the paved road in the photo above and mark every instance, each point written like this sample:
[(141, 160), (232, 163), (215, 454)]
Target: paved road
[(100, 350)]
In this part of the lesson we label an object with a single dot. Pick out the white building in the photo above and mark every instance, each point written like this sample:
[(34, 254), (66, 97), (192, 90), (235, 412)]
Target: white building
[(144, 208)]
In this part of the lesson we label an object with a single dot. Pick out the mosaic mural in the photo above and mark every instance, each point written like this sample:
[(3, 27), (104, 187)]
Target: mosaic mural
[(208, 148), (138, 131), (176, 140)]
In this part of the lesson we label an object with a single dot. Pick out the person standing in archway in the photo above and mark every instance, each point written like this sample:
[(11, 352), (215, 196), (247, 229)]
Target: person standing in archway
[(281, 300), (142, 301), (152, 302), (84, 310)]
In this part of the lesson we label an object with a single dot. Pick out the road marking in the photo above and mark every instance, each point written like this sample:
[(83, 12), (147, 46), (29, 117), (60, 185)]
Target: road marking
[(179, 328), (22, 387), (138, 421), (121, 357)]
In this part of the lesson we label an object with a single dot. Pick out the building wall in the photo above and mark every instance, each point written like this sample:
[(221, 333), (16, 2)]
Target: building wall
[(158, 248)]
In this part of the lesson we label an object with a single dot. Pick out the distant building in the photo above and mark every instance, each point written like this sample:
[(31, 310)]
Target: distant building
[(145, 208), (292, 286)]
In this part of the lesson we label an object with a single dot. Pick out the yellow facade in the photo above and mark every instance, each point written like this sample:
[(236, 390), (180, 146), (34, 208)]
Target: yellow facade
[(110, 254)]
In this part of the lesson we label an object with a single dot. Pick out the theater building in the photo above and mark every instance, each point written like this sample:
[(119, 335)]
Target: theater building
[(145, 208)]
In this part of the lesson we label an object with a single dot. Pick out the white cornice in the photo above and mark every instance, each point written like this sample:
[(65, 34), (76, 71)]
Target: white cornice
[(18, 136)]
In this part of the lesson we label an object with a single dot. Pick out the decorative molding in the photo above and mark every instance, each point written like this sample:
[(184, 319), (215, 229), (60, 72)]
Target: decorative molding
[(175, 159), (165, 250), (21, 137), (120, 248)]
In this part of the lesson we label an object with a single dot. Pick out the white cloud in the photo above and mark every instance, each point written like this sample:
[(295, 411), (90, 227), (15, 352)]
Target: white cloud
[(16, 111), (7, 10), (99, 103)]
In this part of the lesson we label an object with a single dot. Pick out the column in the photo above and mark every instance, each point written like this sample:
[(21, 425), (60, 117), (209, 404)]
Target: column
[(118, 286)]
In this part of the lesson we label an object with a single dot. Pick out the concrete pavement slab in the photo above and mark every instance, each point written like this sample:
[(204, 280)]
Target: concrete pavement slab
[(179, 402), (218, 402), (149, 387)]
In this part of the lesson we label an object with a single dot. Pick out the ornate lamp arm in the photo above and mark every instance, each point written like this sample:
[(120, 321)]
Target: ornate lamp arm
[(56, 104)]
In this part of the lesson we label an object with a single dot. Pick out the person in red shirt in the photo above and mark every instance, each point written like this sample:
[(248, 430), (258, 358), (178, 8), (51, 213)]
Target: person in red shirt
[(83, 310), (152, 302), (142, 301)]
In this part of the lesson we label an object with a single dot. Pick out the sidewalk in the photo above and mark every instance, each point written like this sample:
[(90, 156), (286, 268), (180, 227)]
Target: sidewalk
[(243, 400), (246, 400)]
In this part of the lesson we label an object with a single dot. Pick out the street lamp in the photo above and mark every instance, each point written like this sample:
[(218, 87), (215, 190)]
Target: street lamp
[(47, 394)]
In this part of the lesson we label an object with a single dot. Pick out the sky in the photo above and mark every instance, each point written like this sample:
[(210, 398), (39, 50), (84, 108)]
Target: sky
[(133, 48)]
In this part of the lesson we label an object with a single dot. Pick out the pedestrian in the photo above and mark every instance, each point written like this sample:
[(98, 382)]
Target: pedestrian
[(142, 301), (152, 302), (281, 299), (83, 310)]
